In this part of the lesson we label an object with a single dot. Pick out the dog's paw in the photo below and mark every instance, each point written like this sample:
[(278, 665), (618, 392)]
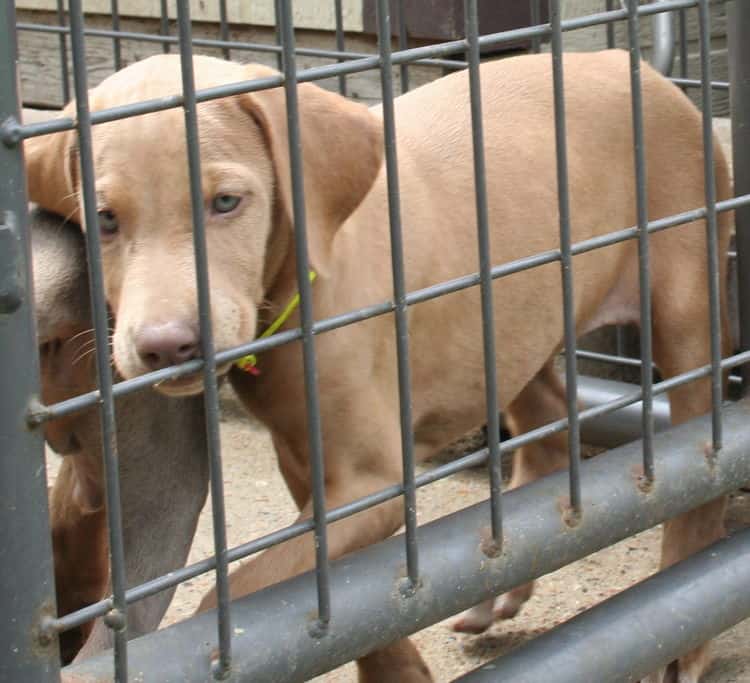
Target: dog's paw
[(510, 604), (475, 620), (688, 669)]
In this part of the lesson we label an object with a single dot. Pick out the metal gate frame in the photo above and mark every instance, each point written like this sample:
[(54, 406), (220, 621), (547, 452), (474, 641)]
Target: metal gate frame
[(398, 591)]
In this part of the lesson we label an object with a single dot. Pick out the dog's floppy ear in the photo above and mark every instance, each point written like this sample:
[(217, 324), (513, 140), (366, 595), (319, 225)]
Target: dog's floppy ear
[(342, 150), (51, 169)]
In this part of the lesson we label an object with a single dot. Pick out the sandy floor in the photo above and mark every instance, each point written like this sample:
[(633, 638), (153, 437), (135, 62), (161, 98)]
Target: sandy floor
[(257, 502)]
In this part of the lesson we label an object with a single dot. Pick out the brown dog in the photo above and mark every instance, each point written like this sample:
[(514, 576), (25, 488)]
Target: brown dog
[(145, 222), (161, 444)]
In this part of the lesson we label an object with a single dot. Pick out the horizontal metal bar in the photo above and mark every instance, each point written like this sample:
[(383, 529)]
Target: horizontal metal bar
[(626, 361), (697, 83), (41, 413), (629, 636), (225, 44), (456, 573), (623, 425), (11, 131)]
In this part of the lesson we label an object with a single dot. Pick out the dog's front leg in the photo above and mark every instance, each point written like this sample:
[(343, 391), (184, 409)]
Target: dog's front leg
[(163, 483), (397, 663), (541, 401)]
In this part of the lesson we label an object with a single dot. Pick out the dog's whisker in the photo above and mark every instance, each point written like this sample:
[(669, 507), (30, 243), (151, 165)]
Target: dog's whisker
[(81, 356), (89, 331)]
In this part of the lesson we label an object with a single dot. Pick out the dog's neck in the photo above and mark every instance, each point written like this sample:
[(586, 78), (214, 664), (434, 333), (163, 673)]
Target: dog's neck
[(279, 276)]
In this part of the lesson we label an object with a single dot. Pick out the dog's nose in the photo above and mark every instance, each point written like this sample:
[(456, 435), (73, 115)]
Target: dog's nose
[(159, 346)]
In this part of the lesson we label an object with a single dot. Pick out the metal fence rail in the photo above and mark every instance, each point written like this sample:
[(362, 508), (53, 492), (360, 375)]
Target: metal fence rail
[(28, 591), (454, 575), (403, 584)]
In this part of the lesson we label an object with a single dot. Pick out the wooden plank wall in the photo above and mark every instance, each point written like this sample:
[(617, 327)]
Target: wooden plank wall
[(39, 55)]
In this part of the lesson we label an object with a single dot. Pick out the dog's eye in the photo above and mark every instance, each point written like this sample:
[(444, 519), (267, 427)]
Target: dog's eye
[(224, 203), (108, 224)]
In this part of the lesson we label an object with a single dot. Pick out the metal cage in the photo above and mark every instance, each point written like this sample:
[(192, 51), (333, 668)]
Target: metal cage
[(409, 582)]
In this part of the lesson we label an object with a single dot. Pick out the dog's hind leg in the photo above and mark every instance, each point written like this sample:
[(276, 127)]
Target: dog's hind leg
[(699, 528), (541, 401)]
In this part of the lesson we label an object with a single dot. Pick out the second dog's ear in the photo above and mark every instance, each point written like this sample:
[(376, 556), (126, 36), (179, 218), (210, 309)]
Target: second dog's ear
[(51, 170), (342, 150)]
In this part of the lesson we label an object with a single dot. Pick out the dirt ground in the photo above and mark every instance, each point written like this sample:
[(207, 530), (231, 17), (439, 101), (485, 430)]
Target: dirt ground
[(257, 502)]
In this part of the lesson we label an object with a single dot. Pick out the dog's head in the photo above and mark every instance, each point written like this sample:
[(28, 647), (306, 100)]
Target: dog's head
[(66, 344), (144, 208)]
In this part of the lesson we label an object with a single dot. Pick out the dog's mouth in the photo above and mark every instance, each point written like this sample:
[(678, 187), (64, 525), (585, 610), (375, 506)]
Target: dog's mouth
[(189, 385)]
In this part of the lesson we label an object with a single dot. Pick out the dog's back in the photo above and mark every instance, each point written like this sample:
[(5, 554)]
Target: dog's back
[(439, 220)]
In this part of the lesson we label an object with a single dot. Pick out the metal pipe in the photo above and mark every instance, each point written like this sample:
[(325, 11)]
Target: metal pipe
[(309, 359), (621, 426), (485, 274), (27, 590), (566, 258), (116, 47), (403, 44), (662, 56), (164, 24), (712, 247), (644, 258), (340, 41), (677, 609), (455, 572), (739, 77), (117, 617), (224, 28), (222, 661), (64, 72), (399, 293)]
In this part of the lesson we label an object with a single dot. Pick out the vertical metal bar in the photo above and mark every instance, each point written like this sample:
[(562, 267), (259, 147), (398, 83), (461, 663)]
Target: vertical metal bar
[(222, 664), (64, 74), (340, 46), (399, 291), (27, 590), (610, 5), (566, 262), (536, 19), (164, 25), (224, 27), (682, 16), (403, 44), (485, 273), (644, 275), (117, 619), (739, 76), (277, 9), (116, 48), (306, 318), (714, 286)]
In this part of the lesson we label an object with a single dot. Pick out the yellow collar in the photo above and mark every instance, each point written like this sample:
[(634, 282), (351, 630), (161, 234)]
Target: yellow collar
[(249, 363)]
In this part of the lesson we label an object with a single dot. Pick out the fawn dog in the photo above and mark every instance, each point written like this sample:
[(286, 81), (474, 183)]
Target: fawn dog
[(144, 218)]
